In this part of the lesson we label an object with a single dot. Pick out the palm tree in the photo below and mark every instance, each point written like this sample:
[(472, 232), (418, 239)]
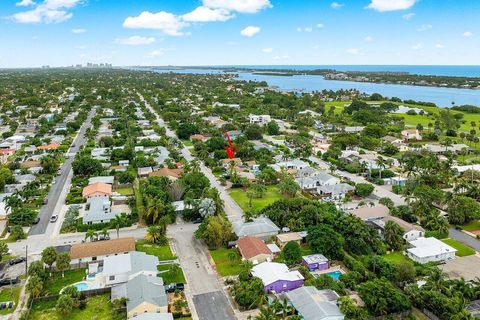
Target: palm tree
[(153, 234), (155, 207), (382, 164), (90, 234), (118, 222), (104, 232)]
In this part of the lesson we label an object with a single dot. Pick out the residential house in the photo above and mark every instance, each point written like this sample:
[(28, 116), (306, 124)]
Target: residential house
[(254, 250), (99, 250), (425, 250), (48, 147), (226, 162), (315, 262), (314, 304), (102, 179), (198, 136), (97, 189), (5, 154), (261, 227), (355, 129), (146, 294), (172, 174), (259, 119), (439, 149), (295, 164), (119, 269), (277, 278), (283, 238), (411, 134), (144, 171), (337, 191), (99, 210)]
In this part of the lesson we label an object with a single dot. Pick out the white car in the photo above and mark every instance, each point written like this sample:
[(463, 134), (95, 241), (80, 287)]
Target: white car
[(54, 218)]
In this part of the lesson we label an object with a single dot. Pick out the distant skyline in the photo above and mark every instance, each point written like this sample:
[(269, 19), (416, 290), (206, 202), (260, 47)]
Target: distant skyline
[(239, 32)]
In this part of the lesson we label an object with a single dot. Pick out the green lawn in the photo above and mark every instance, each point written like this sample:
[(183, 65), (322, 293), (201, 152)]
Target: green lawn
[(224, 266), (125, 191), (472, 226), (187, 143), (6, 295), (279, 137), (396, 257), (56, 282), (462, 250), (98, 308), (162, 252), (240, 196), (168, 277)]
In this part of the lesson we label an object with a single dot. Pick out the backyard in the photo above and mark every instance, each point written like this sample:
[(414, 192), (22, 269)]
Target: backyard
[(56, 282), (162, 252), (240, 196), (462, 250), (125, 191), (396, 257), (225, 266), (98, 308)]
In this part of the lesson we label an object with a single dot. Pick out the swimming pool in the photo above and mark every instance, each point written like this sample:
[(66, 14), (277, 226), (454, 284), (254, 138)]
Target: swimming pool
[(81, 286), (335, 275)]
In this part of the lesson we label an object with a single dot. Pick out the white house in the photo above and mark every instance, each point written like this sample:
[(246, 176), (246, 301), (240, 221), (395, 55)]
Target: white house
[(119, 269), (411, 134), (259, 119), (431, 249)]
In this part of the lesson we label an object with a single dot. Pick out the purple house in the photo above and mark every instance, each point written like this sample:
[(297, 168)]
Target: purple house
[(276, 277), (315, 262)]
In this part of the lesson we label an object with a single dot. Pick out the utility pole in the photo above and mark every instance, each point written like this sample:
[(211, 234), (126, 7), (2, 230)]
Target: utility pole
[(26, 261)]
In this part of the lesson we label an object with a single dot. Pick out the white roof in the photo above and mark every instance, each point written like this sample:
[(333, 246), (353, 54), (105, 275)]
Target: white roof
[(271, 272), (428, 247), (129, 263), (273, 248)]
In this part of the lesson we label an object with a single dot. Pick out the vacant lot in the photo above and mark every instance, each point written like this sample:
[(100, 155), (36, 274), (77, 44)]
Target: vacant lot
[(225, 266), (162, 252), (240, 196)]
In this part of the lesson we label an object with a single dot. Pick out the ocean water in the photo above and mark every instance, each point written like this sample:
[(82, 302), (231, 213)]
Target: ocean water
[(443, 97)]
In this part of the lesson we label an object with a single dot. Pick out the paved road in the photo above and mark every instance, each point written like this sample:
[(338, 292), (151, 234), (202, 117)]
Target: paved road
[(58, 190), (203, 287), (464, 238), (233, 210)]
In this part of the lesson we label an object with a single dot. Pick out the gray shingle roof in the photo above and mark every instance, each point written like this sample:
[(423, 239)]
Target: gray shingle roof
[(145, 288), (313, 305), (258, 226)]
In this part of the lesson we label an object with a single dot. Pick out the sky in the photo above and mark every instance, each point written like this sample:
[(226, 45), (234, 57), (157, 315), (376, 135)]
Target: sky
[(239, 32)]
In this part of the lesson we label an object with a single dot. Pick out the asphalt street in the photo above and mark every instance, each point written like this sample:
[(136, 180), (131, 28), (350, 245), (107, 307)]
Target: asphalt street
[(61, 183)]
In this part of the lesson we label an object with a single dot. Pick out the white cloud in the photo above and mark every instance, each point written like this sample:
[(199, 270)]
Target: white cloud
[(80, 30), (336, 5), (281, 57), (204, 14), (439, 46), (390, 5), (353, 51), (408, 16), (425, 27), (306, 29), (368, 39), (49, 11), (156, 53), (320, 25), (135, 40), (467, 34), (25, 3), (417, 46), (267, 50), (250, 31), (166, 22), (242, 6)]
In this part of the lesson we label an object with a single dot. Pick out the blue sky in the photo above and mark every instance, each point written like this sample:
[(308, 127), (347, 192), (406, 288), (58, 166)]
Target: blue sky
[(251, 32)]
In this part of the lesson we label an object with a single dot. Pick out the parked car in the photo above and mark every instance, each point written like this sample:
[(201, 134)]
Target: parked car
[(172, 287), (16, 261), (54, 218), (102, 237), (36, 221), (8, 281)]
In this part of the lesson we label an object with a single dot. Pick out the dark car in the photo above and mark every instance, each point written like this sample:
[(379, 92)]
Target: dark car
[(172, 287), (36, 221), (16, 261), (102, 237), (8, 281)]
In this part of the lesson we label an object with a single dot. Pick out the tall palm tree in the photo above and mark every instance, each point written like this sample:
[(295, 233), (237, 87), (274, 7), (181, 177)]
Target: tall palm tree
[(155, 207), (118, 222)]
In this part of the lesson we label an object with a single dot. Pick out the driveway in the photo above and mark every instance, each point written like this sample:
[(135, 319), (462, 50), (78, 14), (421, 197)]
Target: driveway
[(59, 189), (203, 287)]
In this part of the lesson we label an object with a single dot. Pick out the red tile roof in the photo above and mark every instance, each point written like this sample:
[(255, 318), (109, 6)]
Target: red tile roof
[(250, 247)]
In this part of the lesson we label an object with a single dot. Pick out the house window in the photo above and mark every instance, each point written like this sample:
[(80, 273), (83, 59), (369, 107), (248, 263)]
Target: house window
[(94, 258), (111, 278)]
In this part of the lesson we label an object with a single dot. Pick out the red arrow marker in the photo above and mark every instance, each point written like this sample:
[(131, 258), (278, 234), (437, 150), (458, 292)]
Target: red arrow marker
[(229, 148)]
